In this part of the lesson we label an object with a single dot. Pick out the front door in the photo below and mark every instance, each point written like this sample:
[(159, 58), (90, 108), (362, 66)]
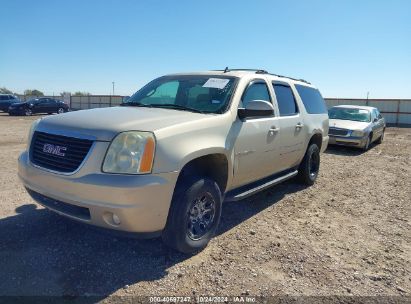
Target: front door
[(256, 141), (377, 124), (41, 106)]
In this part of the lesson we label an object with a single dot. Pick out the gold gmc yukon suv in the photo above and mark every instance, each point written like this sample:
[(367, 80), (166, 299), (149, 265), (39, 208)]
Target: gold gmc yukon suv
[(163, 162)]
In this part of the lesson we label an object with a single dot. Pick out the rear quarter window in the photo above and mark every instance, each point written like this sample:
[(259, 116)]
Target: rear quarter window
[(312, 99)]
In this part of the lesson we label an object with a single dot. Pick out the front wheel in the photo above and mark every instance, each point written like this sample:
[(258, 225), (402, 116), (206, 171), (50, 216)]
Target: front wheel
[(28, 112), (310, 166), (60, 110), (194, 215), (381, 138), (367, 143)]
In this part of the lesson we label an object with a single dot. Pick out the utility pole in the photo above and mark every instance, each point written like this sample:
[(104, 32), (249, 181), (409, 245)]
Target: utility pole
[(368, 94), (113, 87)]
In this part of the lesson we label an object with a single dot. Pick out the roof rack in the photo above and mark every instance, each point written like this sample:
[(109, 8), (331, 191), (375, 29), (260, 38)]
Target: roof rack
[(257, 71), (261, 71), (296, 79)]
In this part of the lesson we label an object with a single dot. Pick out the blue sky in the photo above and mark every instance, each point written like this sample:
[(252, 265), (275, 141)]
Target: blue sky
[(346, 48)]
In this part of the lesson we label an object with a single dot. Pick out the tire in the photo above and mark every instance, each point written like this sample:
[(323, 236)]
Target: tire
[(28, 112), (189, 226), (367, 143), (310, 165), (381, 138), (60, 111)]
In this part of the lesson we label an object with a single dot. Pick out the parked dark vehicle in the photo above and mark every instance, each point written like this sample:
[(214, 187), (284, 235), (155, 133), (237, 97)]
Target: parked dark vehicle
[(38, 105), (6, 100)]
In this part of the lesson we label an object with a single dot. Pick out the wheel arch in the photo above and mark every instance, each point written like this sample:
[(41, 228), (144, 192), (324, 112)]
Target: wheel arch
[(214, 165), (316, 138)]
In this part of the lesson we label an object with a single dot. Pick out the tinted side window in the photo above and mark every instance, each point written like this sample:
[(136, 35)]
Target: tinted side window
[(164, 93), (256, 91), (285, 99), (312, 99)]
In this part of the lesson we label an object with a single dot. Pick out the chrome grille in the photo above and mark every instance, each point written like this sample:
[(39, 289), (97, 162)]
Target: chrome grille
[(338, 132), (58, 153)]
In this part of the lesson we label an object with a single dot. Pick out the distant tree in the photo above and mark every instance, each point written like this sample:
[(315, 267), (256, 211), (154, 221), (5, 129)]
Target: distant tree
[(33, 93), (78, 93), (4, 90)]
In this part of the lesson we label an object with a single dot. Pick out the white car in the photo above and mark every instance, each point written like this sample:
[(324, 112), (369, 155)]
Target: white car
[(356, 126)]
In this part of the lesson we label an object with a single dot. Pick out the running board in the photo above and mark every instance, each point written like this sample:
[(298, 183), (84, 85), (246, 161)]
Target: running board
[(246, 191)]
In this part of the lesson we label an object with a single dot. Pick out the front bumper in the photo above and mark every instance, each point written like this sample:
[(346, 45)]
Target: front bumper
[(141, 202), (347, 141), (324, 144)]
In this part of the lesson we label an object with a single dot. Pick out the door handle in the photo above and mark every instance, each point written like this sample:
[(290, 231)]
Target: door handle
[(299, 125), (273, 130)]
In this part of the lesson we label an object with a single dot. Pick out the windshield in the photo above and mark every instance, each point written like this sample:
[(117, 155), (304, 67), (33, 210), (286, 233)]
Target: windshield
[(198, 93), (350, 114)]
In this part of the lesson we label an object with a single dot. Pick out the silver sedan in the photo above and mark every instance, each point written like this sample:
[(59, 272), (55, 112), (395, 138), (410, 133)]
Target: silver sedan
[(356, 126)]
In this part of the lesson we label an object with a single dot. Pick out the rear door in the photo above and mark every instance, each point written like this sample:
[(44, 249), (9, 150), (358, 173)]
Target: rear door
[(3, 102), (52, 106), (256, 139), (293, 131)]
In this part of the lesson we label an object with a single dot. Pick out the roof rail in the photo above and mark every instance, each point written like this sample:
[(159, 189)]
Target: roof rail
[(296, 79), (257, 71), (261, 71)]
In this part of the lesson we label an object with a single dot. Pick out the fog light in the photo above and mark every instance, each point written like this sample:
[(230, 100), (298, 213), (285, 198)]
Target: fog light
[(116, 219)]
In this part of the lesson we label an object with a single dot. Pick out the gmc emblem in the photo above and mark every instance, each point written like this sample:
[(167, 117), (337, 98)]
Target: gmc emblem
[(55, 150)]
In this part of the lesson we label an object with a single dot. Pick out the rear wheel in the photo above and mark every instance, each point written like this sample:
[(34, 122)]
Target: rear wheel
[(194, 215), (310, 166)]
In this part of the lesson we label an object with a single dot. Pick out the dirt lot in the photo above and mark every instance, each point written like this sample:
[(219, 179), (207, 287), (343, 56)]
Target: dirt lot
[(349, 234)]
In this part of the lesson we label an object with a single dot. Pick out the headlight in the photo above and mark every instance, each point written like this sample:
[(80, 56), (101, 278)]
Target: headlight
[(131, 153), (357, 133), (31, 132)]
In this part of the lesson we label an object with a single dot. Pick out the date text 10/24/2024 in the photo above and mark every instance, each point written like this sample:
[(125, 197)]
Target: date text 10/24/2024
[(203, 299)]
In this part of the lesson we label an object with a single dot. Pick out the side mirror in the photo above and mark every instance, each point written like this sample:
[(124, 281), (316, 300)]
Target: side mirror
[(256, 108), (375, 120)]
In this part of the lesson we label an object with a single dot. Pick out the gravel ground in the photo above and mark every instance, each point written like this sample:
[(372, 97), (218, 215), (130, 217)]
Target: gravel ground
[(349, 234)]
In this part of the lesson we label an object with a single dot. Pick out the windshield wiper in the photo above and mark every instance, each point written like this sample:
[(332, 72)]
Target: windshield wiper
[(134, 104), (165, 105), (175, 106)]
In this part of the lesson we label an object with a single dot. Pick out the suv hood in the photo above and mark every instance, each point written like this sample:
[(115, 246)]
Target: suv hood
[(105, 123), (348, 124)]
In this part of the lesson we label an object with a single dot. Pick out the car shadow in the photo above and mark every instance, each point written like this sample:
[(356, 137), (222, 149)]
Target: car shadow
[(234, 213), (7, 114), (42, 253), (344, 150)]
